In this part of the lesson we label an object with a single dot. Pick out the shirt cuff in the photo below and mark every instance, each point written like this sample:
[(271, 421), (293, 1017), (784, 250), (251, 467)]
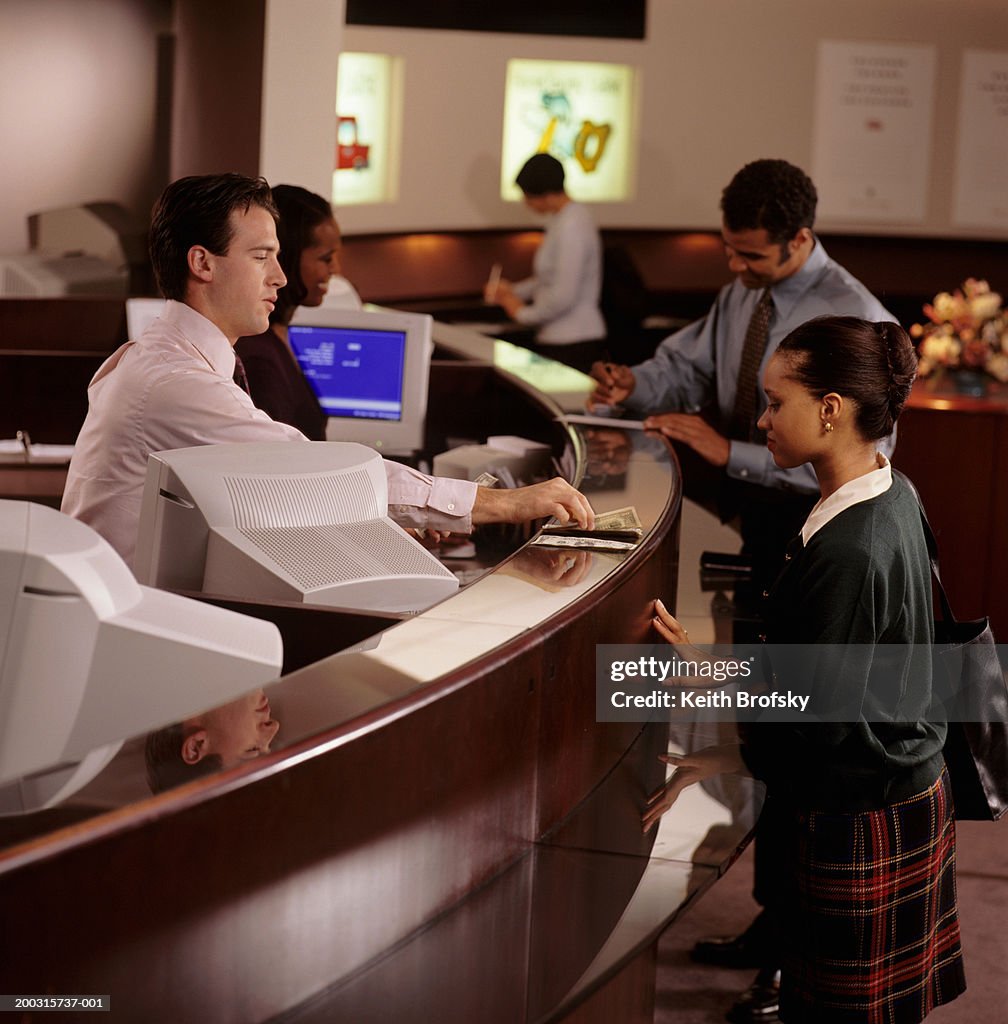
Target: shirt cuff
[(746, 462), (432, 503)]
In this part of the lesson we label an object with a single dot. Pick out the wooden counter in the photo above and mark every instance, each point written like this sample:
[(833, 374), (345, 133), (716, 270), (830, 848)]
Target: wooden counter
[(446, 833), (955, 449)]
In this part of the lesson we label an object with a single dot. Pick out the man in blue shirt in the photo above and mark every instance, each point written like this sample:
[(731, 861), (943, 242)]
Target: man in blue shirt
[(702, 390), (689, 389)]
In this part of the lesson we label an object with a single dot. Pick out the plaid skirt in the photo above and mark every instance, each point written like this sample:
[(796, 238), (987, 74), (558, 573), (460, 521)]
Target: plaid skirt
[(871, 931)]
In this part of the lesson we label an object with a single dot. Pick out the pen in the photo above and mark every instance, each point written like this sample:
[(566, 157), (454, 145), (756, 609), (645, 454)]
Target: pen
[(494, 280)]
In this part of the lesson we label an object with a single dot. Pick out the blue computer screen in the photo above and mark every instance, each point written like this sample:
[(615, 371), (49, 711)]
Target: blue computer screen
[(353, 372)]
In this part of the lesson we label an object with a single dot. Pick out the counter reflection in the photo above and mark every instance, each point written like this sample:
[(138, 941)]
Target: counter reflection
[(211, 741), (333, 675)]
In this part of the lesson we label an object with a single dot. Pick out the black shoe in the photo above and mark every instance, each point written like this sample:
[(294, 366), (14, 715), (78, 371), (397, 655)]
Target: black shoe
[(760, 1002), (743, 951)]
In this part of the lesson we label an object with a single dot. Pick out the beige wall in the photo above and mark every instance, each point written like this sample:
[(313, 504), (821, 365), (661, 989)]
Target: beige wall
[(298, 135), (77, 106), (79, 87), (724, 82)]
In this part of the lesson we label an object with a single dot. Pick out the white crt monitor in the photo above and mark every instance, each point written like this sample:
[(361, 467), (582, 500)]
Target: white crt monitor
[(88, 657), (289, 520), (369, 370)]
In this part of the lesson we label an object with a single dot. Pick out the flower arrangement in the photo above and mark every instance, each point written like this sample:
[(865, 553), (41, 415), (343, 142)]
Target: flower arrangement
[(967, 330)]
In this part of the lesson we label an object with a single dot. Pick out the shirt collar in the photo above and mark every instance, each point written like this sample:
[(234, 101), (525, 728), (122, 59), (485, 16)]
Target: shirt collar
[(787, 293), (203, 335), (861, 488)]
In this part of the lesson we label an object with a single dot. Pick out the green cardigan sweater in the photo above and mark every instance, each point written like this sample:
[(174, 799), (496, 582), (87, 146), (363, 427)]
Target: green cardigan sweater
[(863, 580)]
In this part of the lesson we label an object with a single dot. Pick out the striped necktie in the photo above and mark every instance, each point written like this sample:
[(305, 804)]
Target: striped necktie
[(743, 421), (239, 375)]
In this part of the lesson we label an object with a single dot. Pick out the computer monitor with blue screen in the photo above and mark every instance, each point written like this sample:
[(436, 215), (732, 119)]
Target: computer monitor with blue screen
[(369, 370)]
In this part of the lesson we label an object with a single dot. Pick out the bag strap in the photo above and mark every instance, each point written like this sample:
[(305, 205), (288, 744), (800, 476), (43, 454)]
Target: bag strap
[(932, 549)]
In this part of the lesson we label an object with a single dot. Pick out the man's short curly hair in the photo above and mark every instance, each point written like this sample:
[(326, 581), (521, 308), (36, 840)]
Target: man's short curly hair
[(770, 194)]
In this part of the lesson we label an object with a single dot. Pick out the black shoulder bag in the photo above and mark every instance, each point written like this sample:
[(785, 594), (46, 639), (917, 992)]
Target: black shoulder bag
[(966, 664)]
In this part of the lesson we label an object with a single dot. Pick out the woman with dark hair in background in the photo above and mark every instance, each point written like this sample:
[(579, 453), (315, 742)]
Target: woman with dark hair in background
[(865, 905), (309, 257)]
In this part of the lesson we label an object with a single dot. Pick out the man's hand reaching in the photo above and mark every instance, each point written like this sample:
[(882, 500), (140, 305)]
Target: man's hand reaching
[(554, 498)]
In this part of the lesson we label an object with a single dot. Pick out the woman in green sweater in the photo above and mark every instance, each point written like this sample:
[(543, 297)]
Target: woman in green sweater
[(866, 908)]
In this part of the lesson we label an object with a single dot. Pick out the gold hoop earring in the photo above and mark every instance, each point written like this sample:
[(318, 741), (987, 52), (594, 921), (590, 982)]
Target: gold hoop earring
[(828, 427)]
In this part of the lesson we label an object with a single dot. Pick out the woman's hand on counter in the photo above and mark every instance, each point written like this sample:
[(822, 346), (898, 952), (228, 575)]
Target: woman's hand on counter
[(689, 769), (553, 497), (673, 631)]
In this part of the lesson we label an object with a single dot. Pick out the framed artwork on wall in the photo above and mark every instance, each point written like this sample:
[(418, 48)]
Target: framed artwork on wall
[(368, 105), (582, 113)]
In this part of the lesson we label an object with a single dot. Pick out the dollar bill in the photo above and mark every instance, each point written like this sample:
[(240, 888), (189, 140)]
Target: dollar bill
[(619, 519), (546, 540)]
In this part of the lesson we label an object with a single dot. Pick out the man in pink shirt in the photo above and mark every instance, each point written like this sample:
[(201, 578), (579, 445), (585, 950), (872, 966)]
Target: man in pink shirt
[(214, 249)]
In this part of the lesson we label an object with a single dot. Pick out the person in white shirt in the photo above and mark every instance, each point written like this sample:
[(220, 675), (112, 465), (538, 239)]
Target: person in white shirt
[(561, 299), (214, 249)]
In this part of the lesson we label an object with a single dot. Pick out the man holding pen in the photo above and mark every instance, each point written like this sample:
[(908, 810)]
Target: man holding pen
[(783, 277)]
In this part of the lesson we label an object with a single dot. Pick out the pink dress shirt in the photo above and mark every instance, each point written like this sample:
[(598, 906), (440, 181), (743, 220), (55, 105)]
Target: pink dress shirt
[(173, 388)]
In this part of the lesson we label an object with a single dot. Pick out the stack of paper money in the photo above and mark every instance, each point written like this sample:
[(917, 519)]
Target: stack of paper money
[(619, 519), (618, 530)]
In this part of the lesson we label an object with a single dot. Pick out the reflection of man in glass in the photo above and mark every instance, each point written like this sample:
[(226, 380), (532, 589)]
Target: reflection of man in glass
[(210, 741), (550, 569), (609, 453)]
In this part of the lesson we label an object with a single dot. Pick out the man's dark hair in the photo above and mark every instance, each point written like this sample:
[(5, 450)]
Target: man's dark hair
[(770, 194), (300, 212), (872, 363), (197, 211), (163, 758), (540, 175)]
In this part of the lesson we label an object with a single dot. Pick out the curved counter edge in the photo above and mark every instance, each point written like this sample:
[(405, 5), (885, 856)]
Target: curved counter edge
[(307, 869)]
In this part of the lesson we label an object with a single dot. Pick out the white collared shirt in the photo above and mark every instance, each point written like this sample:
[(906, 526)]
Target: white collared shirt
[(173, 388), (563, 293), (861, 488)]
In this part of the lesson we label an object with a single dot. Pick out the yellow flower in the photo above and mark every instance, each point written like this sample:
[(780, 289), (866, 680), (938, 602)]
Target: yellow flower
[(997, 366), (944, 308), (967, 328), (985, 306), (941, 348)]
